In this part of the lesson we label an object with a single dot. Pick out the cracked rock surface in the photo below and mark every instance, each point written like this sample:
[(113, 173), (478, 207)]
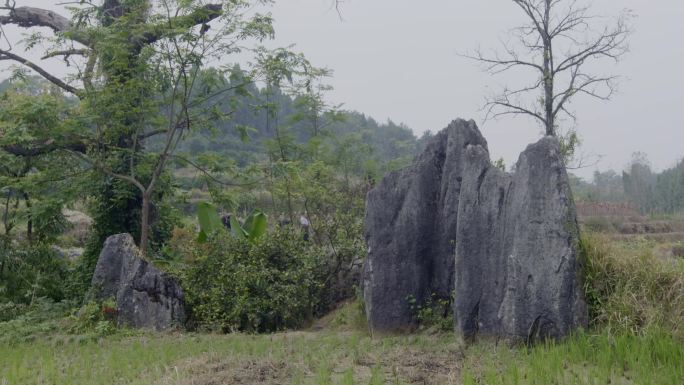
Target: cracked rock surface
[(503, 247), (145, 296)]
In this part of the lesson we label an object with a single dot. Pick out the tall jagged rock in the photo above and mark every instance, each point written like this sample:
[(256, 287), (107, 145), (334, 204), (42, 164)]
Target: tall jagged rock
[(410, 229), (145, 297), (503, 246)]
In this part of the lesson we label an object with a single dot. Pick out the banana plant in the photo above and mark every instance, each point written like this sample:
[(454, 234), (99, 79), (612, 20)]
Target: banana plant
[(209, 221), (255, 226)]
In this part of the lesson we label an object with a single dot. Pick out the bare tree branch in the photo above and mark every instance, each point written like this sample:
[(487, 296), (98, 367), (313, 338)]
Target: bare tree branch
[(99, 166), (28, 17), (7, 55), (558, 41), (66, 53)]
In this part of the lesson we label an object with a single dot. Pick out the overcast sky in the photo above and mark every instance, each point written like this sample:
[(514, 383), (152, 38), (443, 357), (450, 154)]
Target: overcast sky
[(398, 59)]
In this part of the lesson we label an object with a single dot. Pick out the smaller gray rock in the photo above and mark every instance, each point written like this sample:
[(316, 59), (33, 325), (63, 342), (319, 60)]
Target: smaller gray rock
[(145, 296)]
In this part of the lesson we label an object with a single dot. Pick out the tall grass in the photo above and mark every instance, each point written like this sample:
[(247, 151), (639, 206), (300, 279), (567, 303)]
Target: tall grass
[(630, 289), (653, 357)]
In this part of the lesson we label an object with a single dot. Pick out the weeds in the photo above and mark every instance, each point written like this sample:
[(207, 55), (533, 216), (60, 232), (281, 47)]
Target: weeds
[(631, 290), (653, 357), (434, 313)]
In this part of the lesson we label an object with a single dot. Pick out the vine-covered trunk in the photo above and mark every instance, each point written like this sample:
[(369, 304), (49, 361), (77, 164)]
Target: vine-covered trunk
[(145, 224), (29, 216)]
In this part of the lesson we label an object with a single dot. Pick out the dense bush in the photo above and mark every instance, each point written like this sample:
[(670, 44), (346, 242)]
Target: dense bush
[(21, 323), (629, 289), (271, 284), (28, 272)]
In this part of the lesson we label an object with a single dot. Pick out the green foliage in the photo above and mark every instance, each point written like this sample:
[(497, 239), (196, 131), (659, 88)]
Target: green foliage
[(28, 322), (569, 143), (255, 226), (209, 221), (602, 358), (266, 285), (288, 358), (500, 164), (433, 313), (94, 317), (11, 310), (29, 272)]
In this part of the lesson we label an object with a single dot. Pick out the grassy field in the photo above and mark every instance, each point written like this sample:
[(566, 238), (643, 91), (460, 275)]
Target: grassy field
[(636, 288), (340, 355)]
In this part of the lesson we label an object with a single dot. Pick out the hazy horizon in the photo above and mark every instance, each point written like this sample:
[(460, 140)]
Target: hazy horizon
[(399, 60)]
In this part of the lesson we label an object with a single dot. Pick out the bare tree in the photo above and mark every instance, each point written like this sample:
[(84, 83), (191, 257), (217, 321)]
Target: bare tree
[(558, 44)]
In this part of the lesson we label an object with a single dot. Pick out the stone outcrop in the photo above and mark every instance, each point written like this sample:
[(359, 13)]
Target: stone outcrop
[(145, 297), (502, 246)]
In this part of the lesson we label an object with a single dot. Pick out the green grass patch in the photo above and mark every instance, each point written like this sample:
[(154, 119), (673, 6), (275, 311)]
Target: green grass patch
[(285, 358), (653, 357)]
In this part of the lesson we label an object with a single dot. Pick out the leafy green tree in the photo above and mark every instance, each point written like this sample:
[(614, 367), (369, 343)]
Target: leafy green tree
[(140, 62)]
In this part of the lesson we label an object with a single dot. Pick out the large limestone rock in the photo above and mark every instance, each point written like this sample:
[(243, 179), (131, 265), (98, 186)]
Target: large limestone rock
[(503, 246), (145, 297), (411, 219)]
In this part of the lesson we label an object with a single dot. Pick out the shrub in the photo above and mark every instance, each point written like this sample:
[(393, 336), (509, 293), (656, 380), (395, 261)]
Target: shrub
[(94, 317), (28, 272), (341, 235), (434, 313), (11, 310), (270, 284), (632, 290), (42, 317)]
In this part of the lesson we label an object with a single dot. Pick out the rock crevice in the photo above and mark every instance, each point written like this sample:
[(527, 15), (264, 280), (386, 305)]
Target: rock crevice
[(502, 246)]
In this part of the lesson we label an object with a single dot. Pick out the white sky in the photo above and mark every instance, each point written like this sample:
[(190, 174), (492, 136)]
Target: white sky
[(399, 59)]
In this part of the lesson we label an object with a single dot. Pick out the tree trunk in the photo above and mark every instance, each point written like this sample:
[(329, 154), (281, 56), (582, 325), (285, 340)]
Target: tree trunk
[(548, 73), (145, 224), (5, 217), (29, 224)]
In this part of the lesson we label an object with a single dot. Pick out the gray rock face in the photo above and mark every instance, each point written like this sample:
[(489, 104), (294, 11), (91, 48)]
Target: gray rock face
[(503, 246), (410, 229), (145, 297)]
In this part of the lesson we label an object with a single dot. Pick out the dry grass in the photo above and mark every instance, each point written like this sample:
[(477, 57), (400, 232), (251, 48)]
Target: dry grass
[(631, 287), (322, 358)]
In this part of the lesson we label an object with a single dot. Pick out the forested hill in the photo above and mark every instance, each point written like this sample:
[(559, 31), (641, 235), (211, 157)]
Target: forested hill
[(257, 119), (253, 117), (256, 116)]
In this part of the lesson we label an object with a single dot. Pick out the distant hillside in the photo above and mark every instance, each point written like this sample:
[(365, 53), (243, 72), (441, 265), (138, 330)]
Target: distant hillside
[(255, 114)]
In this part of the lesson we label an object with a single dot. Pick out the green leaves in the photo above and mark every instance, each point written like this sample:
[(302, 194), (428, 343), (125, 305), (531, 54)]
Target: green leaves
[(236, 229), (209, 221), (255, 226)]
